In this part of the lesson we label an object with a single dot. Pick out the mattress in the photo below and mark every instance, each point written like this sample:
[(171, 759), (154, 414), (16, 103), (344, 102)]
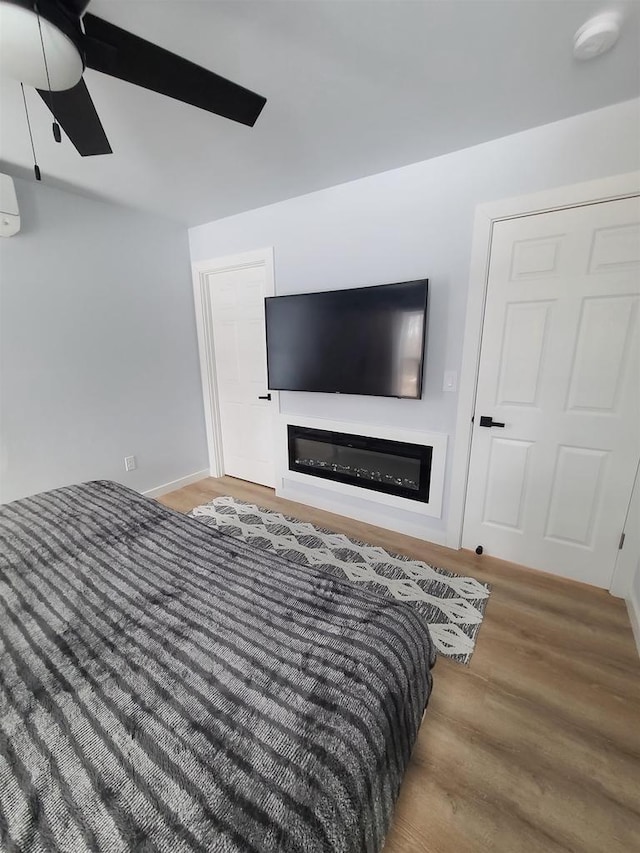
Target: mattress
[(164, 687)]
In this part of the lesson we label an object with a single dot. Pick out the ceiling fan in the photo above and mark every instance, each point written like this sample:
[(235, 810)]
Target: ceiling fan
[(48, 44)]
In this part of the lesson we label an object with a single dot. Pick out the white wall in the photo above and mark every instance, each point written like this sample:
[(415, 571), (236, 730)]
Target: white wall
[(410, 223), (98, 355)]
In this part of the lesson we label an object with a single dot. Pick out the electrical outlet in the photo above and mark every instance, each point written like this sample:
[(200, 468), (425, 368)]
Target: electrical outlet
[(130, 463)]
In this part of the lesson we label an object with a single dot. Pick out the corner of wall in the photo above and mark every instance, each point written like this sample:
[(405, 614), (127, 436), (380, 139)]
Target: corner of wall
[(633, 607)]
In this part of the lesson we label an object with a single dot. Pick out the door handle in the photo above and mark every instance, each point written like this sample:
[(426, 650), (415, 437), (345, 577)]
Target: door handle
[(268, 397), (487, 421)]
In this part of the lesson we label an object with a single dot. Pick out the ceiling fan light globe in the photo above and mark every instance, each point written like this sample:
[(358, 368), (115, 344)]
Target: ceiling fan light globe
[(21, 55)]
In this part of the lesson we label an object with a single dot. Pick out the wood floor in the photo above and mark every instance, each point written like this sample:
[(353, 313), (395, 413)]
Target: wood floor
[(535, 746)]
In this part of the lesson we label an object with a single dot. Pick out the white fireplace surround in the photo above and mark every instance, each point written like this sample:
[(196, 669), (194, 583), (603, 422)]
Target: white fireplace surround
[(438, 441)]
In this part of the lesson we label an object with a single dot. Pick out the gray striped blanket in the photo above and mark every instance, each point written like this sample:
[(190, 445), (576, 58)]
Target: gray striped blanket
[(166, 688)]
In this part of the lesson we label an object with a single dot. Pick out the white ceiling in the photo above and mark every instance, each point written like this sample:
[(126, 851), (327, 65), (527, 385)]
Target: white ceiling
[(354, 87)]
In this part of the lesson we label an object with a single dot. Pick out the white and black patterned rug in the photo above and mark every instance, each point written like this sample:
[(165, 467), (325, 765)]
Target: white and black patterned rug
[(452, 605)]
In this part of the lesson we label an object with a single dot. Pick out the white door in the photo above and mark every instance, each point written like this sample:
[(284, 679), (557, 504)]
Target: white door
[(236, 305), (559, 368)]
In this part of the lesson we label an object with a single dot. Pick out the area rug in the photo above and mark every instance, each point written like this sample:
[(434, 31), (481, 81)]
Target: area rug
[(452, 605)]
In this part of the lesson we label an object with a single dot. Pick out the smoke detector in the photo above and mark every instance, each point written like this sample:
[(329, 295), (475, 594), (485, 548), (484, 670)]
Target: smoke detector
[(597, 36)]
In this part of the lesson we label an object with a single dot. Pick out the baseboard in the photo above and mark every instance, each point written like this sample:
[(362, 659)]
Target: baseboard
[(176, 484), (417, 530), (633, 607)]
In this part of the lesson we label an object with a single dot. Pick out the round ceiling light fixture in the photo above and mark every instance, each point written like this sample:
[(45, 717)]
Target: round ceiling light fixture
[(24, 33), (597, 36)]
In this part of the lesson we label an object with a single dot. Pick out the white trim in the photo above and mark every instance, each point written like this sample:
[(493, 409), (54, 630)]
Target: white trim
[(375, 515), (176, 484), (200, 271), (438, 440), (633, 608), (592, 192), (628, 559)]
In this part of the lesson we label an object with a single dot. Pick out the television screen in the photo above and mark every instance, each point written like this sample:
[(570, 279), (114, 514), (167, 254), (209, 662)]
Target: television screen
[(367, 340)]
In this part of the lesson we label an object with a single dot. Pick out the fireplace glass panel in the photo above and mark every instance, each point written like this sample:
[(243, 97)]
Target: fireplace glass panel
[(382, 465), (364, 464)]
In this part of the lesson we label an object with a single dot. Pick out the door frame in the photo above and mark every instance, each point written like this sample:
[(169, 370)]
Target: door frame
[(628, 558), (204, 328), (591, 192)]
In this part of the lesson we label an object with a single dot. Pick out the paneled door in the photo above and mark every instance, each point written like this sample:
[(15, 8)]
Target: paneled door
[(556, 433), (236, 315)]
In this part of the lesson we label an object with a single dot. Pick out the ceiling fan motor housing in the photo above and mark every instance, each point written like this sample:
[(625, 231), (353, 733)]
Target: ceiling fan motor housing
[(48, 43), (27, 26)]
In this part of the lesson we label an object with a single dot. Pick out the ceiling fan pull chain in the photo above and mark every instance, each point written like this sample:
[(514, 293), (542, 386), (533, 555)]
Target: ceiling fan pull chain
[(57, 135), (36, 168)]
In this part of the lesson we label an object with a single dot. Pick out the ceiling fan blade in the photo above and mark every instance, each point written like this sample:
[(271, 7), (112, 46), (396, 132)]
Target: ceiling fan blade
[(121, 54), (73, 109)]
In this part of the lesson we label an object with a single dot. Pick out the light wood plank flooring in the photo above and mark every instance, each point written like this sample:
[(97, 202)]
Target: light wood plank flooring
[(535, 746)]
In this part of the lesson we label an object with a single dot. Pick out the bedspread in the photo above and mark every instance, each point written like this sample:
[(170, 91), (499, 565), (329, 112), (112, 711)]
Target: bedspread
[(164, 687)]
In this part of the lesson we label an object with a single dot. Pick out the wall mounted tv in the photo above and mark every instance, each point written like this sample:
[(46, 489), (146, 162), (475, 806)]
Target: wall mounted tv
[(366, 340)]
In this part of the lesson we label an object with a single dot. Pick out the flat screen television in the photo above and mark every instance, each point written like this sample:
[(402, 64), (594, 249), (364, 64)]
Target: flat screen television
[(366, 340)]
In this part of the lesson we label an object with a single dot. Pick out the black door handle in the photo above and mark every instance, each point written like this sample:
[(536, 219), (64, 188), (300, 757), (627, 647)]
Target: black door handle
[(486, 421), (268, 397)]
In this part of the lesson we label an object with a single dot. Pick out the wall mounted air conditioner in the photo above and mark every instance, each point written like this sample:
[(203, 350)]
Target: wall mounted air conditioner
[(9, 213)]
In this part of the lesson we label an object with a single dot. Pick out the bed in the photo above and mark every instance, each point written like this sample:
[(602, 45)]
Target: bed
[(164, 687)]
